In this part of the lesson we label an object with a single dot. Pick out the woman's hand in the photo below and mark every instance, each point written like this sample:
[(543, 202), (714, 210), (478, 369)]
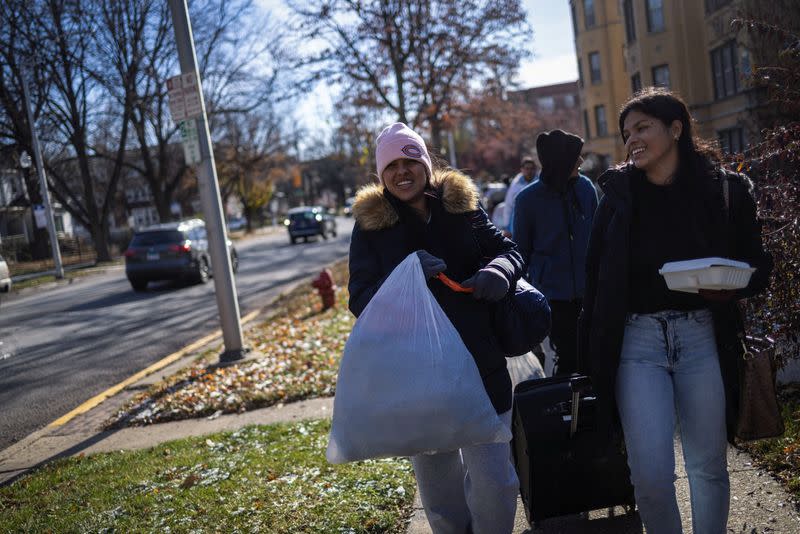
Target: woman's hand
[(431, 265), (489, 285), (718, 295)]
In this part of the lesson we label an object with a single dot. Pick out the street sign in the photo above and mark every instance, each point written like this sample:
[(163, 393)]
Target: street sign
[(190, 141), (184, 97), (40, 215)]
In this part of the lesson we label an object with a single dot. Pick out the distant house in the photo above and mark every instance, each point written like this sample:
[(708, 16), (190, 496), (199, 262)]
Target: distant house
[(17, 222), (556, 106)]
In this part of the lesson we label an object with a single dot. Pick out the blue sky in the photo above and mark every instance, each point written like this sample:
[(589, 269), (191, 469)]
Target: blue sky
[(553, 44)]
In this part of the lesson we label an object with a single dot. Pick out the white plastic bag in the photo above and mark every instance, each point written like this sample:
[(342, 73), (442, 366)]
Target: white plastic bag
[(407, 384)]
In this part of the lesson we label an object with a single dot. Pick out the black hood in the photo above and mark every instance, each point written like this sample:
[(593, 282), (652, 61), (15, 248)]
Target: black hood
[(558, 152)]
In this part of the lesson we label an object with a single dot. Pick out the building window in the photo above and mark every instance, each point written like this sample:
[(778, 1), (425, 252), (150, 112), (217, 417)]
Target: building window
[(713, 5), (636, 83), (731, 140), (747, 67), (661, 76), (594, 67), (586, 124), (600, 119), (655, 15), (725, 69), (580, 73), (588, 13), (546, 103), (569, 100), (630, 23)]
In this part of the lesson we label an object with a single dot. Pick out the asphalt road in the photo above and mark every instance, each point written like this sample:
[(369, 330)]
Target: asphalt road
[(62, 346)]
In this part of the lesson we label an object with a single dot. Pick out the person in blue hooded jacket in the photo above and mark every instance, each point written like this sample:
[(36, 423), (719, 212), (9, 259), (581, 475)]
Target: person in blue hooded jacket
[(552, 223)]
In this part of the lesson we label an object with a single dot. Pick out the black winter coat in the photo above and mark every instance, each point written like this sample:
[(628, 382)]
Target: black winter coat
[(736, 235), (460, 233)]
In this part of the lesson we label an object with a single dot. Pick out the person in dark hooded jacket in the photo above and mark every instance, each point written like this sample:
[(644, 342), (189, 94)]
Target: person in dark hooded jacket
[(552, 222), (435, 213), (659, 357)]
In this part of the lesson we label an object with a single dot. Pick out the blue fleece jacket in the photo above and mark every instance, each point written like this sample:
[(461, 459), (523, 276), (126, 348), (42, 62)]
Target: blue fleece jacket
[(552, 231)]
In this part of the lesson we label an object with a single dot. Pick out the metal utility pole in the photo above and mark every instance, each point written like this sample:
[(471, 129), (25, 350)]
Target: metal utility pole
[(224, 286), (37, 153)]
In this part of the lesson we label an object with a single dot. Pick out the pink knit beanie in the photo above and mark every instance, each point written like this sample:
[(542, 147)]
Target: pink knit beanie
[(399, 141)]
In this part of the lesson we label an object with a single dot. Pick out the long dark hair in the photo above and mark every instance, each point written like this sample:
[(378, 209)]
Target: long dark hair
[(698, 159), (697, 156)]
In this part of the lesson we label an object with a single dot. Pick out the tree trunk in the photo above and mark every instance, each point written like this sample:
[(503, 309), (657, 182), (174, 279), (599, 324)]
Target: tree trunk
[(163, 207), (249, 214), (40, 246), (436, 135), (100, 237)]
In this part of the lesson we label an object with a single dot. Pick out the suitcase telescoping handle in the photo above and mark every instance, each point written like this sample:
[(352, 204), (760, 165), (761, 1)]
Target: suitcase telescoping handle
[(578, 385)]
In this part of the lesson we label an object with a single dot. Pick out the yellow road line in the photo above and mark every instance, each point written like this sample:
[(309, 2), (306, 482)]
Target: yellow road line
[(113, 390)]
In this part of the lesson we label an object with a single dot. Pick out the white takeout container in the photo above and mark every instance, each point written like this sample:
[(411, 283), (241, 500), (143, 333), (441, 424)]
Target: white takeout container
[(706, 273)]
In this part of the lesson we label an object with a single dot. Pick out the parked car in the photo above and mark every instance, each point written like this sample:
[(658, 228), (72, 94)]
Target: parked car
[(309, 221), (238, 223), (5, 276), (171, 251)]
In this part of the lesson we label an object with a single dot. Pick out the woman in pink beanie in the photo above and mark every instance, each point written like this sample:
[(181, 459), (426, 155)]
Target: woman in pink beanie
[(436, 213)]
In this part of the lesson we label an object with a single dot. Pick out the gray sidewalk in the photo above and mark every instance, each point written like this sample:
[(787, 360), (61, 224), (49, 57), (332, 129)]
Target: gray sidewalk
[(758, 503)]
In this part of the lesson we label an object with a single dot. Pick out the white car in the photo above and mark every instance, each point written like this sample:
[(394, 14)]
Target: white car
[(5, 276)]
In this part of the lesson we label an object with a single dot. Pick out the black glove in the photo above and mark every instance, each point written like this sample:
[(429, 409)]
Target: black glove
[(431, 265), (489, 285)]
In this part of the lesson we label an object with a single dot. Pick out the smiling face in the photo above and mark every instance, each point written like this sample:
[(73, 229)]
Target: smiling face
[(406, 180), (651, 145)]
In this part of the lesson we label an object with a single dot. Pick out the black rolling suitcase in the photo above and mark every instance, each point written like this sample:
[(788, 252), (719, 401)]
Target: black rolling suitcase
[(565, 466)]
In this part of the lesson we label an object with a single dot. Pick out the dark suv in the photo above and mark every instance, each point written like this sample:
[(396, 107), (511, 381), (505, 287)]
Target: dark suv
[(171, 251), (310, 221)]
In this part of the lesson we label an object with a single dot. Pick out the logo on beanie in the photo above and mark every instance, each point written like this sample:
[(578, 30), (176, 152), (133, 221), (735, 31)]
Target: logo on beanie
[(412, 151)]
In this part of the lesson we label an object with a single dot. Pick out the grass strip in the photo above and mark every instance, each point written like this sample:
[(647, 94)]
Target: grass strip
[(77, 273), (257, 479), (46, 279)]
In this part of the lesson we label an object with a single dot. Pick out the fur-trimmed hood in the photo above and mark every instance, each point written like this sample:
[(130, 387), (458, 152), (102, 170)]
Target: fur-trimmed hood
[(373, 211)]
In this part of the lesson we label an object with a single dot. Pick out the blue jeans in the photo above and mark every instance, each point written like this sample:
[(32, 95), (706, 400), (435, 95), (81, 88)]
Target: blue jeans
[(669, 365), (471, 490)]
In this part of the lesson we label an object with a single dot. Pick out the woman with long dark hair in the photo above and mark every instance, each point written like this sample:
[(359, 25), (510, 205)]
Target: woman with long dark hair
[(659, 357)]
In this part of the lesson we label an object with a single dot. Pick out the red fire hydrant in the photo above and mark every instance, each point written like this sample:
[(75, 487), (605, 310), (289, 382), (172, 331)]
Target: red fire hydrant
[(326, 288)]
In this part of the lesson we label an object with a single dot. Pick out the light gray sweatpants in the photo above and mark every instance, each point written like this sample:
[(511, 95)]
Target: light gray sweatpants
[(473, 489)]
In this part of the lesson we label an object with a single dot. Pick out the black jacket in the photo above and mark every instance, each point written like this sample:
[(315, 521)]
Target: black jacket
[(460, 233), (734, 233)]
